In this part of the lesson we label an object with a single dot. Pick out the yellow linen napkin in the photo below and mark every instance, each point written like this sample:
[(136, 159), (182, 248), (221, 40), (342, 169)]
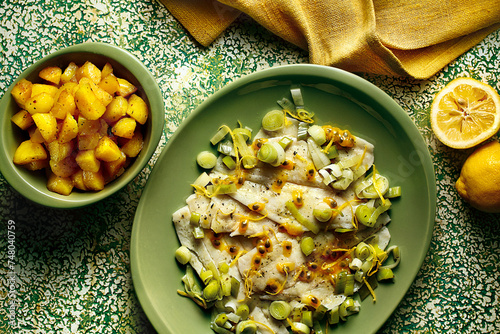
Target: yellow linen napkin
[(414, 38)]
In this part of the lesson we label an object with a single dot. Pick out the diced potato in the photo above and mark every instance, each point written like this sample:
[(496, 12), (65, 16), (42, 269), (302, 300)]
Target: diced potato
[(69, 73), (88, 70), (100, 93), (59, 151), (29, 151), (88, 161), (41, 103), (107, 150), (132, 147), (35, 135), (69, 129), (93, 180), (64, 168), (64, 105), (113, 169), (87, 102), (47, 124), (22, 119), (124, 128), (103, 130), (77, 178), (88, 142), (51, 74), (60, 185), (137, 109), (116, 109), (109, 84), (77, 119), (106, 70), (86, 126), (125, 88), (37, 165), (71, 87), (21, 92), (43, 88)]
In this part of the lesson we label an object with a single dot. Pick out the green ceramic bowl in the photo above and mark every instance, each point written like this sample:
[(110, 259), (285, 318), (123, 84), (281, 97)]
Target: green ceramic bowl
[(32, 185), (335, 96)]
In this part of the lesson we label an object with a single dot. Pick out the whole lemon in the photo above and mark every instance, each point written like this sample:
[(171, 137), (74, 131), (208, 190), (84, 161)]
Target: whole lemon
[(479, 181)]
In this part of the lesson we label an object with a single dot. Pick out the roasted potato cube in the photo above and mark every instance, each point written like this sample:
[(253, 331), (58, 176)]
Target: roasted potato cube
[(125, 88), (69, 73), (88, 142), (124, 128), (29, 151), (21, 92), (41, 103), (59, 151), (88, 70), (86, 126), (137, 109), (69, 129), (37, 165), (43, 88), (107, 150), (35, 135), (93, 180), (47, 124), (22, 119), (106, 70), (88, 161), (65, 167), (109, 84), (51, 74), (116, 109), (87, 102), (112, 169), (71, 87), (60, 185), (65, 104), (100, 93), (103, 130), (77, 178), (132, 147)]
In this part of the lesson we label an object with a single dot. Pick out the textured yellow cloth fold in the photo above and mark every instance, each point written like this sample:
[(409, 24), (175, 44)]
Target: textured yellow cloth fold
[(414, 38)]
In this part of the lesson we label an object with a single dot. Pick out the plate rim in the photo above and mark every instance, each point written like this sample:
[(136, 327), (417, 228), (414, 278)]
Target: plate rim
[(329, 73)]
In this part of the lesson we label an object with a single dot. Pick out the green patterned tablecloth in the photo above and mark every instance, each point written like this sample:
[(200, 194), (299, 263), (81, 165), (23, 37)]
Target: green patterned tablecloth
[(72, 271)]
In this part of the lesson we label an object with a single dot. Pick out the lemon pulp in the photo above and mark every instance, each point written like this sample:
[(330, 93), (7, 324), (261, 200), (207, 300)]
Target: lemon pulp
[(465, 113)]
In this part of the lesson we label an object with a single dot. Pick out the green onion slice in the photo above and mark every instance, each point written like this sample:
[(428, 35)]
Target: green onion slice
[(274, 120), (183, 255), (221, 133), (318, 134), (307, 245), (206, 159), (280, 309), (311, 226), (246, 327)]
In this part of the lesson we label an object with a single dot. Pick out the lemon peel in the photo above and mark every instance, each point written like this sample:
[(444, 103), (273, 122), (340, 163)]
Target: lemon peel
[(479, 181)]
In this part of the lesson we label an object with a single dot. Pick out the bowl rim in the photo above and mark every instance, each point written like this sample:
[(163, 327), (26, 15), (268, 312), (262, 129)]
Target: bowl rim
[(148, 85)]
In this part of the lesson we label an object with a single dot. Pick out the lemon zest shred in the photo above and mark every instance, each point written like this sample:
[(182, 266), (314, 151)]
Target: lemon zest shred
[(375, 186), (264, 325), (252, 218), (370, 289), (327, 147), (362, 158), (304, 116), (281, 287), (240, 253)]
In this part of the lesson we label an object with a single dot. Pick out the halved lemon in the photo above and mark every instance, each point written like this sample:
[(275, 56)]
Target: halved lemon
[(465, 113)]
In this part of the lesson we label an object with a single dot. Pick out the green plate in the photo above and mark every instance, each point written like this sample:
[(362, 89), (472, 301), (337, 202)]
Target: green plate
[(334, 96)]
